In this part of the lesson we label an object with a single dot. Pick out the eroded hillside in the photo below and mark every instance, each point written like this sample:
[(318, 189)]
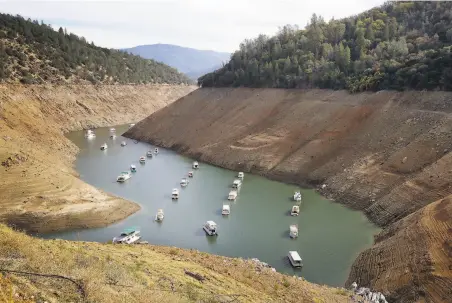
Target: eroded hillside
[(386, 153), (39, 189)]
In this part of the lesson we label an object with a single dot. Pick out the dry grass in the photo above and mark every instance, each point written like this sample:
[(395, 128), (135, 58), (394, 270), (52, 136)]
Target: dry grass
[(141, 273)]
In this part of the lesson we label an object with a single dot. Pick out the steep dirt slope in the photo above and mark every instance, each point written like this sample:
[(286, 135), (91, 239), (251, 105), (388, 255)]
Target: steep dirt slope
[(141, 273), (39, 189), (386, 153)]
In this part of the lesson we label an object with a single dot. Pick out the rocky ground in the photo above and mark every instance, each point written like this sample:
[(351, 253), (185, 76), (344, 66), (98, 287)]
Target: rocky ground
[(387, 154), (39, 189)]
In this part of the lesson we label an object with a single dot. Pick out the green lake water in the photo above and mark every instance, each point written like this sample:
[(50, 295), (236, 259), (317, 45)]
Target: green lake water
[(330, 235)]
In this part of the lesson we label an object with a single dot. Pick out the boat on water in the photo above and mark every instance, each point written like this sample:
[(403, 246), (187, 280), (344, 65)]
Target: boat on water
[(159, 216), (190, 174), (142, 160), (232, 195), (149, 154), (226, 210), (124, 176), (133, 168), (175, 194), (128, 237), (104, 146), (295, 259), (293, 231), (112, 130), (156, 150), (195, 165), (113, 137), (90, 134), (123, 143), (184, 182), (241, 175), (210, 228), (237, 184), (297, 196), (295, 210), (131, 124)]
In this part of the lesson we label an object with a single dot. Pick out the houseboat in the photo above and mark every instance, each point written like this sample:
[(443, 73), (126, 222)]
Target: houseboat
[(295, 259), (149, 154), (113, 137), (293, 231), (112, 130), (123, 143), (124, 176), (142, 160), (90, 134), (156, 150), (190, 174), (232, 195), (195, 165), (131, 124), (241, 175), (226, 210), (133, 168), (210, 228), (175, 194), (295, 210), (104, 146), (128, 237)]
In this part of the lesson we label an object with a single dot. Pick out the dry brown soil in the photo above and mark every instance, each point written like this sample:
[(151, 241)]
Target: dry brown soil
[(387, 154), (39, 190)]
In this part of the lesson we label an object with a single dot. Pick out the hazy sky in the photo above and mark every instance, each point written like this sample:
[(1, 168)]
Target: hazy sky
[(204, 24)]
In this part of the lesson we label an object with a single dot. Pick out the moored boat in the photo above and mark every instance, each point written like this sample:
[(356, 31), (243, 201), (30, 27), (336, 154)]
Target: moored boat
[(131, 124), (128, 237), (156, 150), (149, 154), (175, 194), (297, 196), (142, 160), (293, 231), (133, 168), (90, 134), (113, 137), (112, 130), (295, 210), (210, 228), (123, 143), (195, 165), (237, 184), (184, 182), (190, 174), (241, 175), (159, 216), (104, 146)]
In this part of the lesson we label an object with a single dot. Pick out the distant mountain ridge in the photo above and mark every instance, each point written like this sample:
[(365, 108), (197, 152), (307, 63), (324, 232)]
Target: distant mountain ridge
[(192, 62)]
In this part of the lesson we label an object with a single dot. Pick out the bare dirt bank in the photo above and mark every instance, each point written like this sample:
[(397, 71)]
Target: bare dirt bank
[(386, 153), (39, 189)]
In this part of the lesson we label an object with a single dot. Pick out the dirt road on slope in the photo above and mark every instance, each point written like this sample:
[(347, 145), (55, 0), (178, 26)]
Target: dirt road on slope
[(387, 153), (39, 190)]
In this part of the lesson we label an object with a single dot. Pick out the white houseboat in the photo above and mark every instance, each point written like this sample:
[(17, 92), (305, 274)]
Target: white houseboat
[(131, 124), (104, 146), (133, 168), (237, 184), (175, 194), (226, 210), (293, 231), (124, 176), (295, 259), (159, 216), (210, 228), (297, 196), (149, 154), (241, 175), (184, 182), (112, 130), (113, 137), (90, 134), (190, 174), (142, 160), (128, 237), (232, 195), (295, 210), (123, 143), (156, 150), (195, 165)]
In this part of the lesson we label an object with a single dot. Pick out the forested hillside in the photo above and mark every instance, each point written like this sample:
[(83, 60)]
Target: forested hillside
[(32, 53), (400, 45)]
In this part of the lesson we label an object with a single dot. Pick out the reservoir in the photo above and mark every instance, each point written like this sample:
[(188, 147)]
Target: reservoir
[(330, 235)]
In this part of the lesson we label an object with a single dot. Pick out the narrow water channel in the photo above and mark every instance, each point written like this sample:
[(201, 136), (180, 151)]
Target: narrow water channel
[(330, 235)]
